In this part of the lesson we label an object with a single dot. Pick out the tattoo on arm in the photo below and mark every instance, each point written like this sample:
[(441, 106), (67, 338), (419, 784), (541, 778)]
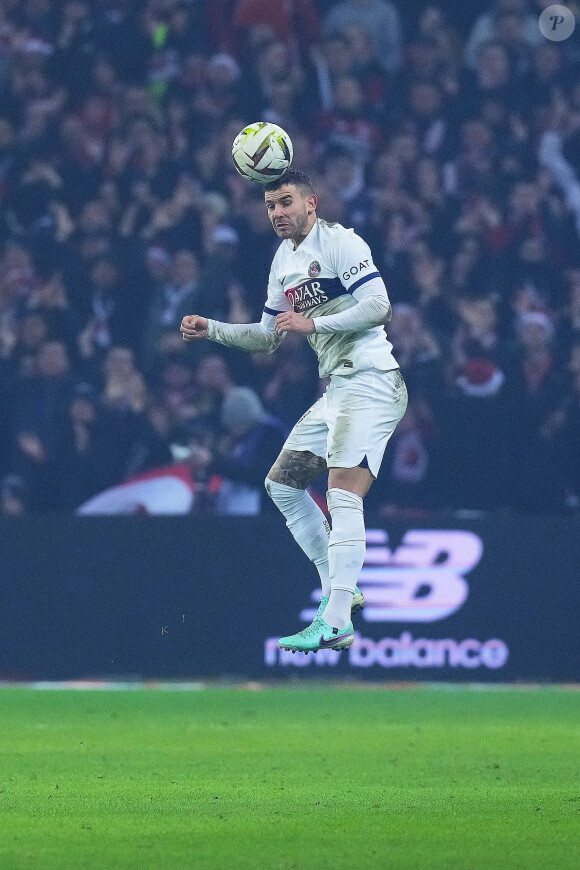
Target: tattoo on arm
[(297, 468)]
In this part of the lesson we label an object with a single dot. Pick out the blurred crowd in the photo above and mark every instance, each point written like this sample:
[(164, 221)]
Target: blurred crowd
[(446, 133)]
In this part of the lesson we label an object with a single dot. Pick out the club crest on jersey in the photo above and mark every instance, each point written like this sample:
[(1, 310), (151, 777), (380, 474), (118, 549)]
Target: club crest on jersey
[(314, 269)]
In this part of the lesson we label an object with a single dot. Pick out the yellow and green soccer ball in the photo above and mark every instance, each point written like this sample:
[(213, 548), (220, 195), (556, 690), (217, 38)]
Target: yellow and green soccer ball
[(262, 152)]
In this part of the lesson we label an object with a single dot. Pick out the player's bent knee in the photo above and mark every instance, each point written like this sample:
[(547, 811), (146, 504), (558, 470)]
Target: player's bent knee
[(288, 500)]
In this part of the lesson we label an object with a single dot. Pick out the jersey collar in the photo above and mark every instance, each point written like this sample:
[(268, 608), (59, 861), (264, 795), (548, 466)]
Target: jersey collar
[(311, 235)]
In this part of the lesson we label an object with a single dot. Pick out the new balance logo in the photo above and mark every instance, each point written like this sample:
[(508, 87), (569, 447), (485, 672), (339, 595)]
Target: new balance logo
[(421, 580)]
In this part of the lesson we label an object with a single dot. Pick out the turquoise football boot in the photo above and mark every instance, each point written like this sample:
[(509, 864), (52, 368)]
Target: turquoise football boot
[(318, 635)]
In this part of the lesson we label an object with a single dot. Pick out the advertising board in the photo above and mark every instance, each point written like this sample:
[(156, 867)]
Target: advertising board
[(489, 599)]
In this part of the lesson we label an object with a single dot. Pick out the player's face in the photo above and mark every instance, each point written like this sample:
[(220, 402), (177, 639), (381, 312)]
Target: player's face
[(291, 214)]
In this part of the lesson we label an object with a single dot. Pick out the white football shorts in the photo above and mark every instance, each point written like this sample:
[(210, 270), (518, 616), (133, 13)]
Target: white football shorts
[(353, 420)]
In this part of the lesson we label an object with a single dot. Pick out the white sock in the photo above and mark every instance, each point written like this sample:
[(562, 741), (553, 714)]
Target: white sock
[(307, 523), (346, 553)]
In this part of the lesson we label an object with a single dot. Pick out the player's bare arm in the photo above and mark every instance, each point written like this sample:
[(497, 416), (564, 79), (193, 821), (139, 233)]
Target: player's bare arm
[(297, 468), (193, 326), (290, 321)]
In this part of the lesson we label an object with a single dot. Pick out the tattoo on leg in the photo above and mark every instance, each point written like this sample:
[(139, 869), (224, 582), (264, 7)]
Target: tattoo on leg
[(297, 468)]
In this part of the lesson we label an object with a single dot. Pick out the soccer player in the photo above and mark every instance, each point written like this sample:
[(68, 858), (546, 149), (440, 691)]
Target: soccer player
[(323, 283)]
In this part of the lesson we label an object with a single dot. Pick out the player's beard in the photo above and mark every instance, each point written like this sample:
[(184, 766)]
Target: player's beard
[(292, 229)]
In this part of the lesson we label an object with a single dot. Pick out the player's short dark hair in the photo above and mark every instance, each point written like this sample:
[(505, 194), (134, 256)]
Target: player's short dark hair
[(292, 176)]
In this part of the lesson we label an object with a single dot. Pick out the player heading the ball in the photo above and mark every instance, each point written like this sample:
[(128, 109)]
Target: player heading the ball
[(324, 284)]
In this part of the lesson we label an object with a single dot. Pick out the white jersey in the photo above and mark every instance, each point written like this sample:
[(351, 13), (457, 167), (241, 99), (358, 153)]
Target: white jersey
[(319, 278)]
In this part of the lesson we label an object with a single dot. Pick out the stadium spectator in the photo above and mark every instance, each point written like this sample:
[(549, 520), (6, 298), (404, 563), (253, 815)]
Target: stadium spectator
[(244, 452), (89, 459), (213, 383), (488, 26), (477, 333), (105, 310), (289, 384), (381, 21), (539, 389), (168, 302), (258, 21), (419, 352), (182, 487), (38, 420)]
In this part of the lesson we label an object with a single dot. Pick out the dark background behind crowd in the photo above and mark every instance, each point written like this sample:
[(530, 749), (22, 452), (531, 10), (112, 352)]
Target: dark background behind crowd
[(446, 133)]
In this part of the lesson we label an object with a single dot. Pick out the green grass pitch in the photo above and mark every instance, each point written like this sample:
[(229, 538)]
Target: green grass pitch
[(303, 778)]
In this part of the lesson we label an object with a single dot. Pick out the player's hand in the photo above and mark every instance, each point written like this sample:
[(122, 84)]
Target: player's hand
[(289, 321), (193, 326)]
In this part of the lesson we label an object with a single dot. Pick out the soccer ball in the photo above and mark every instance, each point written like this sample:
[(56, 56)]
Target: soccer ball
[(262, 152)]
